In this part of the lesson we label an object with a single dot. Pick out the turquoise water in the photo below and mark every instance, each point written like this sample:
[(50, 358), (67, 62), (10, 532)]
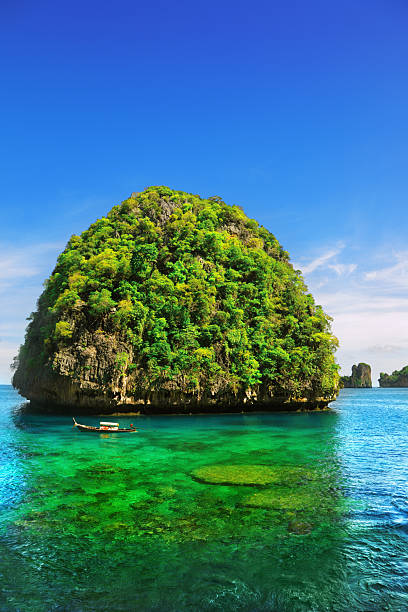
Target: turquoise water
[(285, 512)]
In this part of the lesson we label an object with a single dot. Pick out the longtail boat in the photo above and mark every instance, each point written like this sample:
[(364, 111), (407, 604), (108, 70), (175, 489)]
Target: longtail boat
[(105, 427)]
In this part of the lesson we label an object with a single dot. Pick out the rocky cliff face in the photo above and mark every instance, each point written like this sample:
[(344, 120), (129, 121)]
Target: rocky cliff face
[(399, 378), (174, 303), (360, 377)]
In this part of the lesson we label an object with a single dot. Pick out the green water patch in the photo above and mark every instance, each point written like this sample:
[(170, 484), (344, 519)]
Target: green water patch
[(163, 512), (105, 491), (109, 495), (252, 475), (171, 494), (286, 498), (91, 523)]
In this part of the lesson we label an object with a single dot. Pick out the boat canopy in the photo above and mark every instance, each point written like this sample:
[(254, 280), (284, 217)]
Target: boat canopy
[(106, 424)]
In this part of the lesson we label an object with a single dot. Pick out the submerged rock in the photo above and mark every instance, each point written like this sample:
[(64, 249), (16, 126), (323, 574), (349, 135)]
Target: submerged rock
[(252, 475), (175, 303), (299, 527), (235, 475), (283, 498)]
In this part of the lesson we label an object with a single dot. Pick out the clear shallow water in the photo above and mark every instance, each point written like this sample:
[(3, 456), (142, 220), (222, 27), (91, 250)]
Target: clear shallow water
[(127, 522)]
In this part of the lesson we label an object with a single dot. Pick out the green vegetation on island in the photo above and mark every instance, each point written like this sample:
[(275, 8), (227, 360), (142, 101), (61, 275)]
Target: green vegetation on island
[(174, 302), (399, 378), (360, 377)]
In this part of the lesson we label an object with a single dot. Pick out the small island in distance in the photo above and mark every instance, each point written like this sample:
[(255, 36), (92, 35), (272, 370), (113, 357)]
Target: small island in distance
[(176, 303), (360, 377), (399, 378)]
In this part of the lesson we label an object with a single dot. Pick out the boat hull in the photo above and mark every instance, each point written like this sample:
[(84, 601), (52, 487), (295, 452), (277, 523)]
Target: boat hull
[(104, 430)]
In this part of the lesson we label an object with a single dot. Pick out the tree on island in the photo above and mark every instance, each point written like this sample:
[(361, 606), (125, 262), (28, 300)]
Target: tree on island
[(399, 378), (174, 302)]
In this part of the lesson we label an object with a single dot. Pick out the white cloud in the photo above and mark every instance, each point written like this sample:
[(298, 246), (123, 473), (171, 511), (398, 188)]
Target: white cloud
[(8, 350), (318, 262), (22, 272), (386, 348), (369, 309), (24, 262), (343, 269), (325, 262), (358, 298), (379, 338), (396, 274)]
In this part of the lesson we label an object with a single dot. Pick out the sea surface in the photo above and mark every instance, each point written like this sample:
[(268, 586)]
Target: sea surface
[(260, 512)]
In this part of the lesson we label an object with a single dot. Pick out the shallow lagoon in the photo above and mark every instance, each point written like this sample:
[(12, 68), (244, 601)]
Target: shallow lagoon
[(286, 512)]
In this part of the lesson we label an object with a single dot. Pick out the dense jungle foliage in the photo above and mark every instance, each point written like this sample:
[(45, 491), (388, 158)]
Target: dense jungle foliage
[(203, 296), (399, 378)]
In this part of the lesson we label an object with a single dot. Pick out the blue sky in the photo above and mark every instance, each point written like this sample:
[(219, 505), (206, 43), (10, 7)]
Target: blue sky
[(296, 111)]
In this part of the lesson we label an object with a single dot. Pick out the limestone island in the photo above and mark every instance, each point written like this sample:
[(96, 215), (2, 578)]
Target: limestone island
[(360, 377), (174, 303), (399, 378)]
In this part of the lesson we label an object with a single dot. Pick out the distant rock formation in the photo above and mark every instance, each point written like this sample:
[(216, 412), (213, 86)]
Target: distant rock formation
[(399, 378), (360, 377)]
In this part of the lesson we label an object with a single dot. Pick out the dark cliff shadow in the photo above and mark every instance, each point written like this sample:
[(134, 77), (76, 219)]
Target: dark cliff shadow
[(32, 416)]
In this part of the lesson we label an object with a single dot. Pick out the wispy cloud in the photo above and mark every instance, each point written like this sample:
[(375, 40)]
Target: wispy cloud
[(343, 269), (24, 262), (387, 348), (326, 261), (394, 274), (22, 272), (318, 262)]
